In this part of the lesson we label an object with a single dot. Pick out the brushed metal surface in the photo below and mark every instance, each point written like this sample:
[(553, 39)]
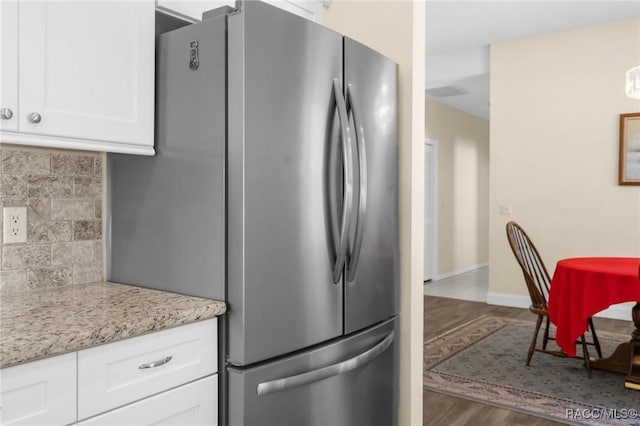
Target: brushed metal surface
[(168, 211), (372, 293), (366, 395), (361, 165), (280, 286), (347, 190), (322, 373), (155, 364)]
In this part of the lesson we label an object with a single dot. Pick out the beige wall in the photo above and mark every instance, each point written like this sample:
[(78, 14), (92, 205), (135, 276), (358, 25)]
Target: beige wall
[(396, 29), (555, 105), (463, 186)]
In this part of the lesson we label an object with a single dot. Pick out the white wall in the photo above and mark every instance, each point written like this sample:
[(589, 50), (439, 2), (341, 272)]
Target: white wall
[(396, 29), (463, 186), (555, 105)]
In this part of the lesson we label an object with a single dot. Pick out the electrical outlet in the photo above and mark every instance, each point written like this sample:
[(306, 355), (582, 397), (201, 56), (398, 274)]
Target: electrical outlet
[(505, 210), (14, 225)]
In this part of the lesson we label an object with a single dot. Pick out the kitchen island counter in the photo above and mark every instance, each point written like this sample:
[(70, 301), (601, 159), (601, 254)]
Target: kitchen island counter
[(42, 323)]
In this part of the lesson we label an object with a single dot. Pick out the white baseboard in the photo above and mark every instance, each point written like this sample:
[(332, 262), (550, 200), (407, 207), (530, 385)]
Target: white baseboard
[(621, 311), (505, 299), (470, 268)]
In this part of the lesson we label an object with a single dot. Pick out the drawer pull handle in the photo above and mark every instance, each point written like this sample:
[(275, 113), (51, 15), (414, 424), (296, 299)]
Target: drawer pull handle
[(155, 364)]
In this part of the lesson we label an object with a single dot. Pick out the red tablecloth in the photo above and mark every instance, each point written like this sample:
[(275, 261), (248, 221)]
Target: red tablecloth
[(582, 287)]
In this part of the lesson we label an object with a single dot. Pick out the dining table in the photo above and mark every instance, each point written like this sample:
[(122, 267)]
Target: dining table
[(583, 286)]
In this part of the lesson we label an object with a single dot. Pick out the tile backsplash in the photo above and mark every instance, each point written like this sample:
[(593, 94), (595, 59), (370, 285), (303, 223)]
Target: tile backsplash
[(63, 193)]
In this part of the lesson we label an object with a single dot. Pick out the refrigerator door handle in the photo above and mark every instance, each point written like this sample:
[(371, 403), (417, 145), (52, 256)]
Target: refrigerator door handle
[(352, 102), (342, 367), (347, 205)]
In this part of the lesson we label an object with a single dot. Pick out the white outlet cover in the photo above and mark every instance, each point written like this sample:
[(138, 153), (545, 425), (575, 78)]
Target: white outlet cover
[(14, 225), (505, 209)]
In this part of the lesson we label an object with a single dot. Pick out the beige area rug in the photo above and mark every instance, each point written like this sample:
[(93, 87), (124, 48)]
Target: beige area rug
[(484, 361)]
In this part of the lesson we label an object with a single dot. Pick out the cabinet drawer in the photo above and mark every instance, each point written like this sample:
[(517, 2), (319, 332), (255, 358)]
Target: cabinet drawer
[(113, 375), (39, 393), (194, 404)]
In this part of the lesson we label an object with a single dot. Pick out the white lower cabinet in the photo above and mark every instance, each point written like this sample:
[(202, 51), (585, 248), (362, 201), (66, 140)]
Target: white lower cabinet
[(118, 373), (194, 404), (162, 378), (40, 392)]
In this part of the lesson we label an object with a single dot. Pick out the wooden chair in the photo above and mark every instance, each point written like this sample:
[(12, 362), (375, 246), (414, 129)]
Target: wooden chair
[(537, 279)]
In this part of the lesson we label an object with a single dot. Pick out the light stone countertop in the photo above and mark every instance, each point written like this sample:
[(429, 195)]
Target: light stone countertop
[(42, 323)]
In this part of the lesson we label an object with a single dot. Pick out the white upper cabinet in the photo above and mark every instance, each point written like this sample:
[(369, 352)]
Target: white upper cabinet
[(9, 65), (310, 9), (85, 74), (192, 10)]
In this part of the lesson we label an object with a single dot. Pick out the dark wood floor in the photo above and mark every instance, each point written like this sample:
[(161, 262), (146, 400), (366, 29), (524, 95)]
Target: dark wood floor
[(442, 314)]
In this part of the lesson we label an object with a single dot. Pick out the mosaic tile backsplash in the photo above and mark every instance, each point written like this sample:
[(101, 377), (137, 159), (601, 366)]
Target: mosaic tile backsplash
[(62, 191)]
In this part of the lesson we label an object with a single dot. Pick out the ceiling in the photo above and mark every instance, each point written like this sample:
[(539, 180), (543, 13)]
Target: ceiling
[(459, 33)]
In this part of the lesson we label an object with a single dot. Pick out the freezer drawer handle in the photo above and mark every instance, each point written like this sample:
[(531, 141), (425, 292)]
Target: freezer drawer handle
[(325, 372), (157, 363)]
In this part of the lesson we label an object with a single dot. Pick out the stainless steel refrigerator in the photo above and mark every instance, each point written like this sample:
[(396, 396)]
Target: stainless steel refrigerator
[(274, 188)]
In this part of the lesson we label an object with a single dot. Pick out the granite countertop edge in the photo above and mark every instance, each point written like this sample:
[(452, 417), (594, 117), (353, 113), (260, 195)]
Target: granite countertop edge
[(43, 323)]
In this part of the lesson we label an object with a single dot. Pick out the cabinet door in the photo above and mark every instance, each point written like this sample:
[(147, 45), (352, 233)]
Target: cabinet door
[(39, 393), (118, 373), (86, 68), (309, 9), (190, 10), (9, 64), (195, 404)]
